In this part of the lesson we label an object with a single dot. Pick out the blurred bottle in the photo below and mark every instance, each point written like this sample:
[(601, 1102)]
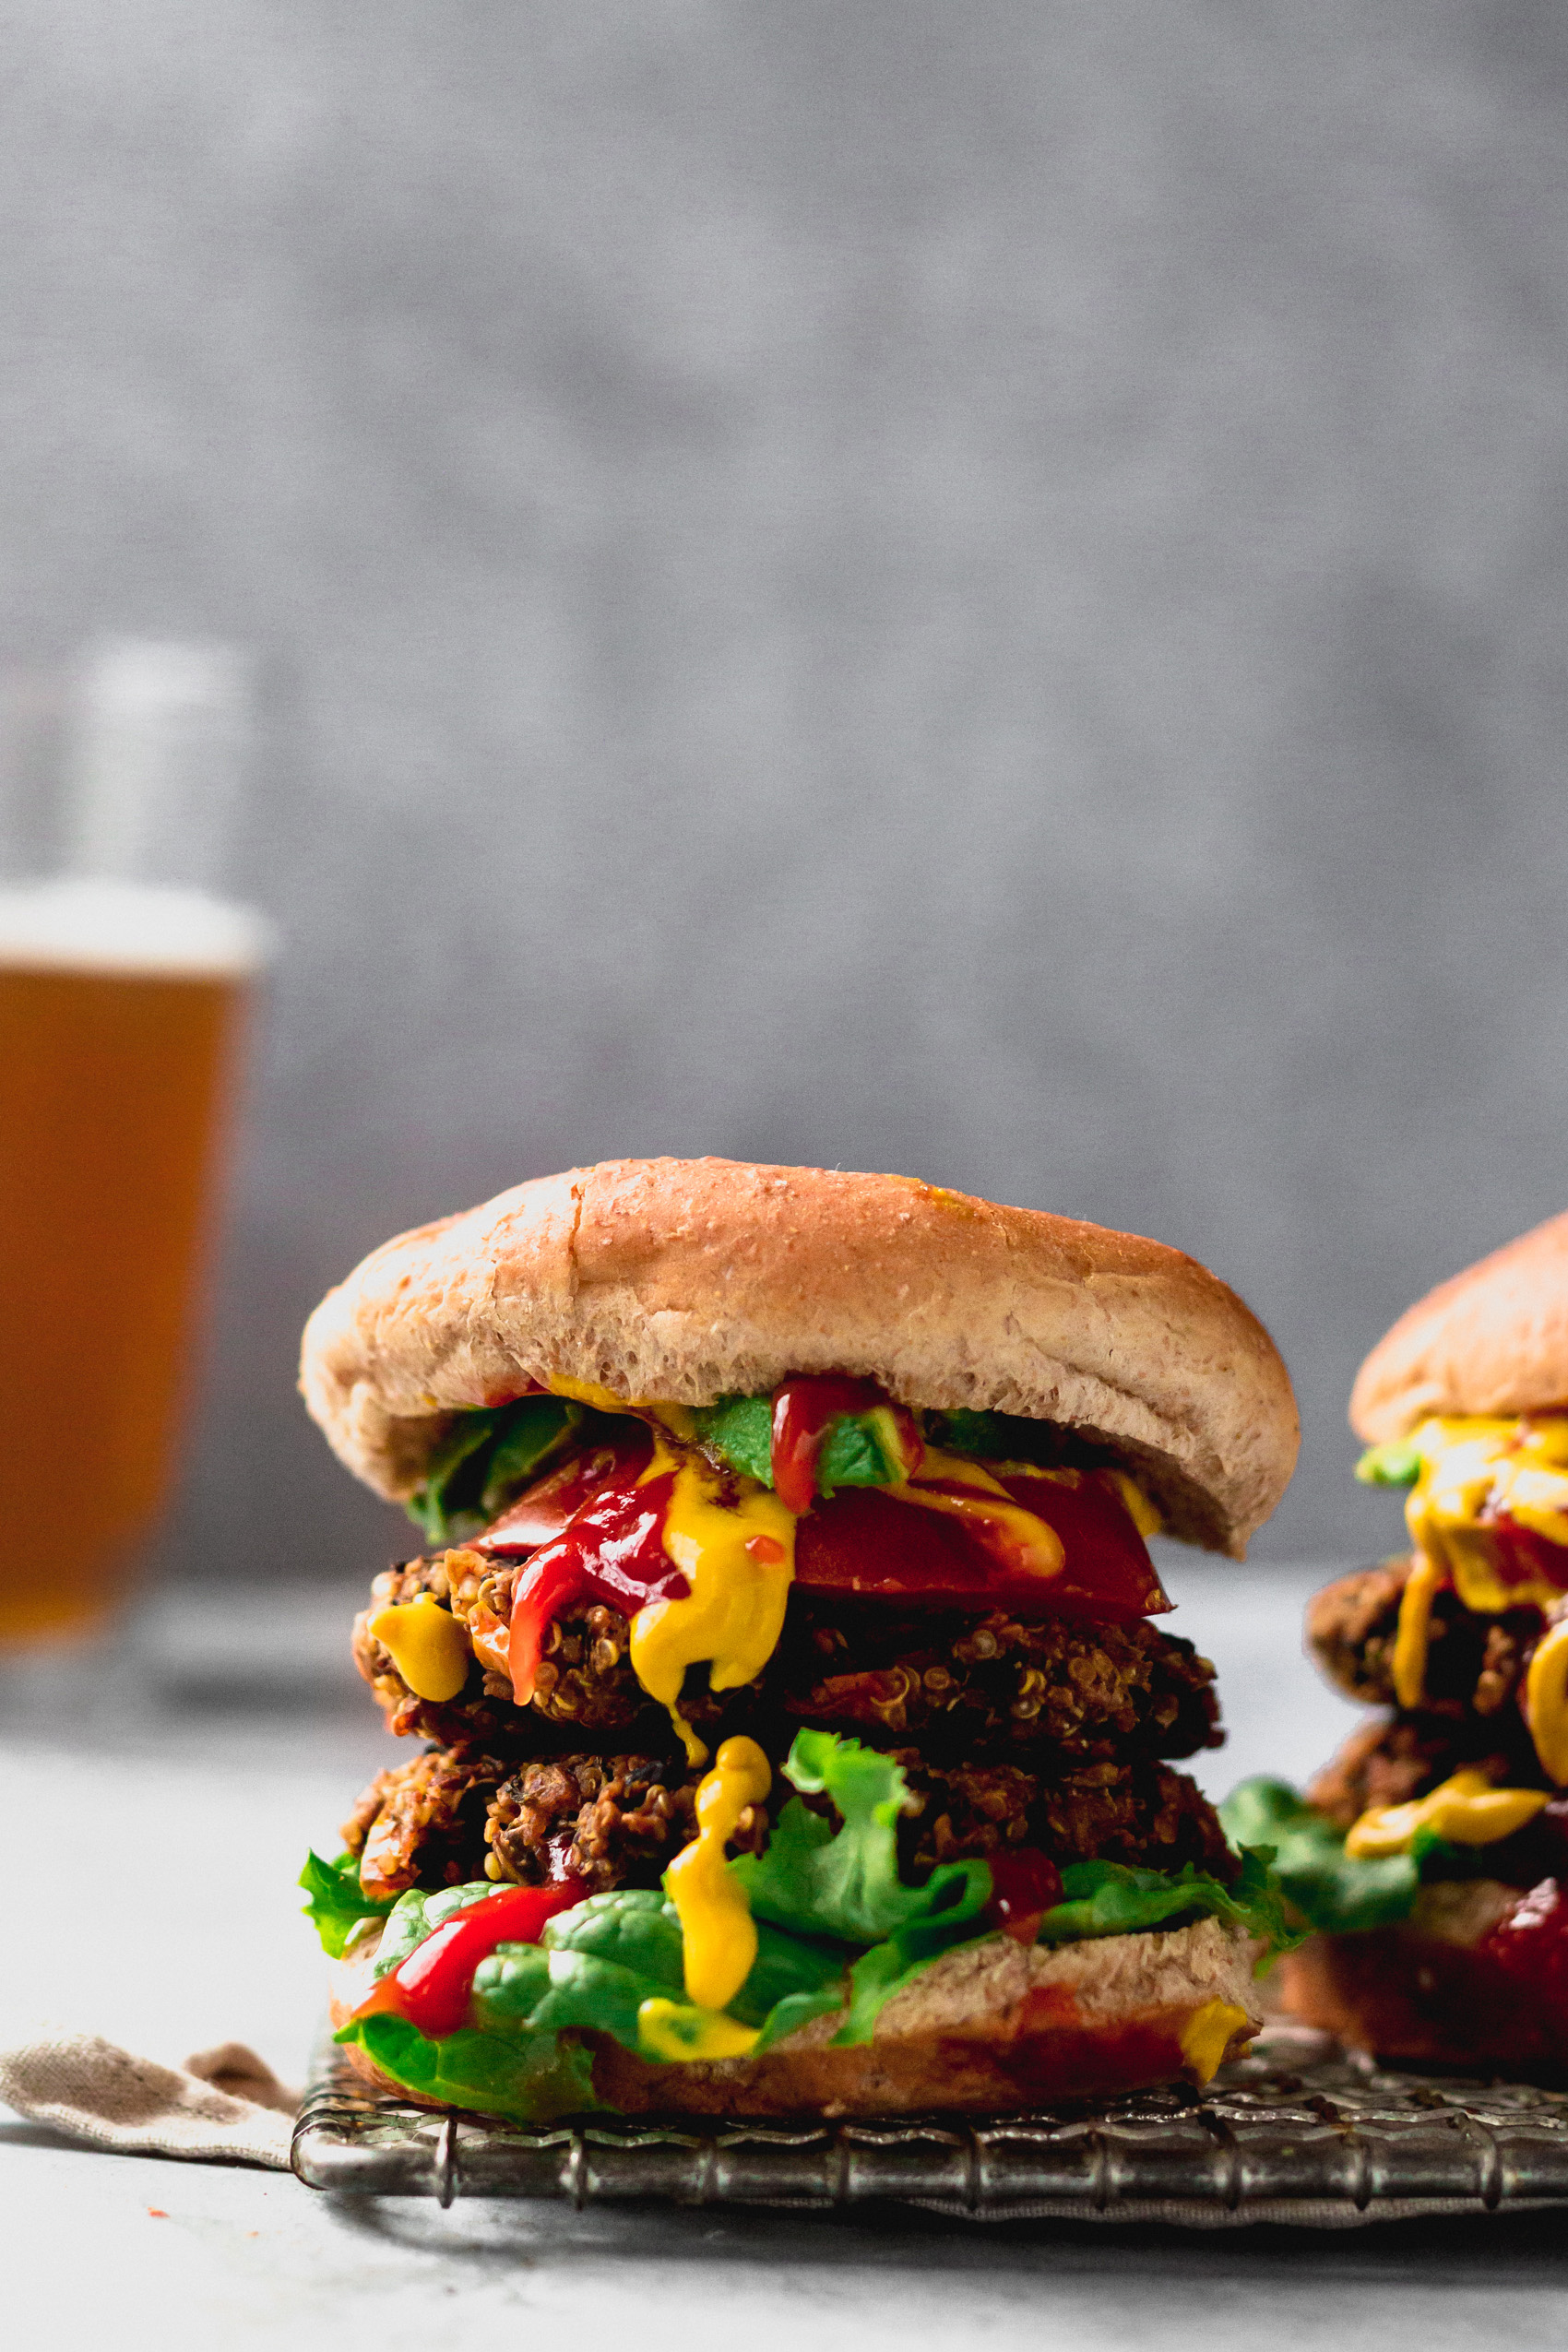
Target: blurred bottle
[(123, 988)]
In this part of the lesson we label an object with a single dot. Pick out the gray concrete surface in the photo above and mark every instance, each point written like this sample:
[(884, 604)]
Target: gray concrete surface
[(978, 591)]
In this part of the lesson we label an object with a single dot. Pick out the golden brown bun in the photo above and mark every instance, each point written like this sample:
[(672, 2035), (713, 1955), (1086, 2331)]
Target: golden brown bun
[(687, 1280), (1493, 1340), (991, 2025), (1424, 1994)]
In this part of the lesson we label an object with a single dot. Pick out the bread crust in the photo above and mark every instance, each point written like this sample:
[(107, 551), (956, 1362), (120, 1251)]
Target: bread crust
[(991, 2027), (686, 1280), (1426, 1994), (1492, 1340)]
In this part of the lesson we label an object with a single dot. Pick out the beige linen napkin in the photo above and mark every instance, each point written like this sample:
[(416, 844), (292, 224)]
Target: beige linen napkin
[(224, 2103)]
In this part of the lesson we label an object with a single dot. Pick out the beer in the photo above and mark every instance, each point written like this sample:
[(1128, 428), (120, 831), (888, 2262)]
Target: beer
[(121, 1020)]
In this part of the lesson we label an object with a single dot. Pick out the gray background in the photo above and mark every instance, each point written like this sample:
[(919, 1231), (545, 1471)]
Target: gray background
[(970, 589)]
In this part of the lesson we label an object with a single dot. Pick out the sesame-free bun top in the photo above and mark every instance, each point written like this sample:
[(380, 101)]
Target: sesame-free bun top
[(686, 1280), (1493, 1340)]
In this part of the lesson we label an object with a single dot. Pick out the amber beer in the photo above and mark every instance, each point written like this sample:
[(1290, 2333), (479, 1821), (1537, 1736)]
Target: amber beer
[(118, 1057)]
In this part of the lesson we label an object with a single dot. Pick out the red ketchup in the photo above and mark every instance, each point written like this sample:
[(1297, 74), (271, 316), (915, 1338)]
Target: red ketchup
[(1025, 1884), (1530, 1945), (432, 1987), (541, 1512), (863, 1542), (804, 1412), (611, 1550), (1520, 1556)]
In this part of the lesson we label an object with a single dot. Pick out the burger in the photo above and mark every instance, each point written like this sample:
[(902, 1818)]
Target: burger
[(1432, 1854), (789, 1730)]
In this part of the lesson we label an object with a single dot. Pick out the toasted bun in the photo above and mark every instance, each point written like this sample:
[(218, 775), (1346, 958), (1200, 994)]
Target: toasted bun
[(1427, 1993), (687, 1280), (992, 2026), (1493, 1340)]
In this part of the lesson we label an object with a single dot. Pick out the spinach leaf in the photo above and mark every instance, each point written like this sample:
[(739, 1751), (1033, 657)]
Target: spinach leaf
[(535, 2078), (484, 1459), (338, 1903), (1010, 1437), (740, 1430)]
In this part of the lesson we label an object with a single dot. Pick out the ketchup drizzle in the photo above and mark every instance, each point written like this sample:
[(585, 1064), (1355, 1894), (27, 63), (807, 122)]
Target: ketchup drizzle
[(1025, 1884), (611, 1550), (805, 1410), (434, 1985)]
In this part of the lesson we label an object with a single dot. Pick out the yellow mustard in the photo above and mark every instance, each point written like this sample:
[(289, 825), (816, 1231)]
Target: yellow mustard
[(1413, 1631), (986, 1499), (716, 1927), (669, 2031), (1546, 1702), (735, 1546), (1147, 1519), (1466, 1809), (1473, 1468), (426, 1644), (1207, 2035), (677, 1419)]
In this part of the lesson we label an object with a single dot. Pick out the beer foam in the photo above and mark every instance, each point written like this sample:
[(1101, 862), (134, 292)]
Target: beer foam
[(90, 926)]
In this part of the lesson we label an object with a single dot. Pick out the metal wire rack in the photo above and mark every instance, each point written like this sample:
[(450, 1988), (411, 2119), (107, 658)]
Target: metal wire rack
[(1299, 2132)]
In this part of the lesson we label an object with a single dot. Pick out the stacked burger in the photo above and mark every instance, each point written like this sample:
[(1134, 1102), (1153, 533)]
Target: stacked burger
[(790, 1729), (1431, 1853)]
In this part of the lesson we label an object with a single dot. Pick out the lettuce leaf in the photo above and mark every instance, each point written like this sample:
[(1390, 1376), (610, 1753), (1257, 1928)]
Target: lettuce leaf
[(845, 1883), (1331, 1890), (338, 1903), (1397, 1462), (1113, 1898), (740, 1429), (837, 1928), (485, 1458), (1008, 1437)]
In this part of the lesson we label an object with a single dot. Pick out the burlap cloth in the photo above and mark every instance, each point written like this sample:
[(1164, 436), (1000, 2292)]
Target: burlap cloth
[(224, 2105)]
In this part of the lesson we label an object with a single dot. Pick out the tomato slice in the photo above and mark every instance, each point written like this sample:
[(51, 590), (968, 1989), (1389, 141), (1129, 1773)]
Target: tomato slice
[(865, 1541)]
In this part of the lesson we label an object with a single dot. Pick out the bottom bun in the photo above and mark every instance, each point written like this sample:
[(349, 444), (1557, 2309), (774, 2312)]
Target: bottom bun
[(1428, 1992), (989, 2026)]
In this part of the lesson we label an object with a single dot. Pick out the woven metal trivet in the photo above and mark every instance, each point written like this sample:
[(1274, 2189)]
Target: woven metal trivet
[(1299, 2132)]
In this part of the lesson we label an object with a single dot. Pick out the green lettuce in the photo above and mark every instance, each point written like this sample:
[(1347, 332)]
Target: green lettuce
[(1337, 1892), (484, 1460), (535, 2078), (837, 1928), (336, 1902), (845, 1883), (1113, 1898), (1003, 1437), (1398, 1463), (740, 1430)]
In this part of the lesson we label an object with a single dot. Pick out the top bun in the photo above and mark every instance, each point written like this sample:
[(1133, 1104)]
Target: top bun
[(686, 1280), (1494, 1340)]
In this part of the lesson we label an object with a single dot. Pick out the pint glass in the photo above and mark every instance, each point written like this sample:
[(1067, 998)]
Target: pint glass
[(121, 1018)]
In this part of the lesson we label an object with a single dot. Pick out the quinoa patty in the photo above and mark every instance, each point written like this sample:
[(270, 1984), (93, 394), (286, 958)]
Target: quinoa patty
[(1392, 1759), (964, 1685), (452, 1815), (1475, 1665)]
